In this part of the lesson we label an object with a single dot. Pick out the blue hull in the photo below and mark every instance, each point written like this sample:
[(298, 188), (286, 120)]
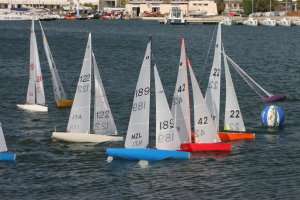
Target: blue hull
[(7, 156), (146, 154)]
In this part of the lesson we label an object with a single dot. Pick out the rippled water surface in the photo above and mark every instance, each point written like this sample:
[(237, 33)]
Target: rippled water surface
[(267, 168)]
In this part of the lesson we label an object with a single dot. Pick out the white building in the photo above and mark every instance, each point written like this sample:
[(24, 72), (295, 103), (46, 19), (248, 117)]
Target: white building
[(54, 4), (189, 8), (34, 3)]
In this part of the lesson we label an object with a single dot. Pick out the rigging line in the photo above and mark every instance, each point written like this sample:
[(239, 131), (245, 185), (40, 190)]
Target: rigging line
[(212, 38)]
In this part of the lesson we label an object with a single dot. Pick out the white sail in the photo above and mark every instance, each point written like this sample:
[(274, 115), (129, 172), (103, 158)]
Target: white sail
[(58, 89), (39, 86), (212, 95), (181, 105), (103, 120), (3, 147), (30, 99), (233, 116), (79, 120), (138, 128), (205, 128), (167, 137)]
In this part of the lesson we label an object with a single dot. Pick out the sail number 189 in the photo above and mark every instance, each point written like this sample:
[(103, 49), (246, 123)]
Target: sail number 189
[(142, 91), (166, 124)]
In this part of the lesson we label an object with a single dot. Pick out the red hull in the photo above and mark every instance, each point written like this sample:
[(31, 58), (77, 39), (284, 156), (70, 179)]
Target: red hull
[(70, 18), (193, 147)]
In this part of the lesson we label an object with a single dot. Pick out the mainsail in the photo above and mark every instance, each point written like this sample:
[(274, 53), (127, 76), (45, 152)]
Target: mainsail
[(58, 89), (79, 121), (138, 128), (166, 135), (205, 128), (212, 95), (30, 99), (233, 116), (181, 105), (103, 120)]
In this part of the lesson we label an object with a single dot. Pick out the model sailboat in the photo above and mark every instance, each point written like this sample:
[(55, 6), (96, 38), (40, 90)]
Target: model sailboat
[(78, 129), (137, 139), (206, 136), (59, 93), (181, 113), (233, 115), (3, 148), (181, 103), (35, 100)]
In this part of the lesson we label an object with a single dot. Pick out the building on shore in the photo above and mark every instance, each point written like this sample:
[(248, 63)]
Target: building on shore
[(233, 6), (55, 4), (50, 4), (137, 8)]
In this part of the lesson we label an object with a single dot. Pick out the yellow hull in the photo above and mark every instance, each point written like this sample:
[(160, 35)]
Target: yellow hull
[(64, 103)]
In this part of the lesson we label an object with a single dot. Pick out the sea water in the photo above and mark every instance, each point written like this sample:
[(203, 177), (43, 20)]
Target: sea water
[(267, 168)]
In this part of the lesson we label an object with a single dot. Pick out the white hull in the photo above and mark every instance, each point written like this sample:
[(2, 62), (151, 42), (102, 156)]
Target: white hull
[(251, 22), (33, 107), (284, 22), (227, 22), (296, 23), (16, 17), (175, 16), (84, 137), (268, 22)]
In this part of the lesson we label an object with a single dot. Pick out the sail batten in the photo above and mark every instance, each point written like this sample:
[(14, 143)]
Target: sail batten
[(138, 128)]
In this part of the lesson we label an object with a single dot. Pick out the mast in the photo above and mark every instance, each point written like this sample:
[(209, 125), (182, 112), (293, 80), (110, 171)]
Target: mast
[(285, 7), (77, 9)]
